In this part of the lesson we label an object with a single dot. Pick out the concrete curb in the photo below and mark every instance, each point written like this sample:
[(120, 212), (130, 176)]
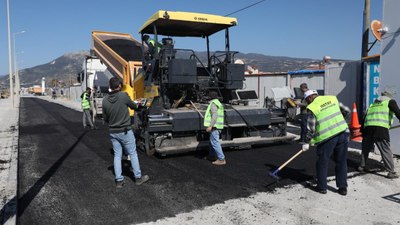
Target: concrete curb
[(9, 117)]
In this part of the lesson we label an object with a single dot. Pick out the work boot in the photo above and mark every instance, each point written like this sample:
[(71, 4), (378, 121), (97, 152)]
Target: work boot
[(219, 162), (364, 169), (342, 191), (361, 169), (392, 175), (301, 141), (319, 190), (211, 158), (119, 184), (142, 180)]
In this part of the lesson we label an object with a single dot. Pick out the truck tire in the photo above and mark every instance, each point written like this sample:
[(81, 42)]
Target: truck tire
[(149, 145)]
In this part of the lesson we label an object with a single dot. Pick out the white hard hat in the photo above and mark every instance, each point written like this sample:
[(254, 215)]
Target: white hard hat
[(389, 92), (309, 93)]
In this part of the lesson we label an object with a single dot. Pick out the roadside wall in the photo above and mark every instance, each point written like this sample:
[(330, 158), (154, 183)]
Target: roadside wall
[(73, 93), (342, 79), (314, 81), (390, 55), (262, 83)]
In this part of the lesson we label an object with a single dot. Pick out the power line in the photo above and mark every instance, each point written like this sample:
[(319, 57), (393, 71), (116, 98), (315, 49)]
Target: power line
[(245, 7)]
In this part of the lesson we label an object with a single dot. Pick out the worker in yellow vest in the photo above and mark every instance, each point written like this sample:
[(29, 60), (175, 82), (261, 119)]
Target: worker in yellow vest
[(153, 47), (85, 102), (151, 57), (214, 123), (375, 129), (328, 130)]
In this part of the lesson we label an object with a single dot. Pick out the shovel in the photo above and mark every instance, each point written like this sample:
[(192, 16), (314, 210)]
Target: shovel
[(273, 174)]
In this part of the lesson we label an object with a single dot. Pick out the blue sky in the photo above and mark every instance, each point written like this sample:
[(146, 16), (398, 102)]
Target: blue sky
[(294, 28)]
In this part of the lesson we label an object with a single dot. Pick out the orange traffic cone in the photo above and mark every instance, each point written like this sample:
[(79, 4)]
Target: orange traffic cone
[(355, 126)]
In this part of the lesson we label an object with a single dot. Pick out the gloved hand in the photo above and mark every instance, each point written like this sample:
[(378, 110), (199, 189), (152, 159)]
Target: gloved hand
[(141, 103), (305, 147)]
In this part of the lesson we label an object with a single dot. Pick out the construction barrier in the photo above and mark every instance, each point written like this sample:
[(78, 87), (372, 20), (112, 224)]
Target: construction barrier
[(355, 126)]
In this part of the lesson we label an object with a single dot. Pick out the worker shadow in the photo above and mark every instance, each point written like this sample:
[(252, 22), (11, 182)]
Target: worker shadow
[(127, 170), (286, 176), (290, 176), (8, 211), (201, 153), (392, 41), (393, 197), (374, 166), (27, 197)]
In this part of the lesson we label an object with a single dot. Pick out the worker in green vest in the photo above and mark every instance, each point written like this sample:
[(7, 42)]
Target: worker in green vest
[(214, 123), (151, 58), (328, 130), (152, 46), (85, 102), (375, 130)]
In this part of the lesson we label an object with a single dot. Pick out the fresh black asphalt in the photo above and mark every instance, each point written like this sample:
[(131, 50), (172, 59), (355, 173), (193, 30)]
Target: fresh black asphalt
[(66, 173)]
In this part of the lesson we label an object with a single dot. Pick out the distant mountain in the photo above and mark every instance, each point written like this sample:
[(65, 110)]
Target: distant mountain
[(267, 63), (65, 68), (275, 63)]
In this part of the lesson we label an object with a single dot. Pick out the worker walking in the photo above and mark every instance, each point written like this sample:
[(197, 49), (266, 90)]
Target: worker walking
[(214, 121), (328, 130), (375, 130), (116, 114), (85, 102)]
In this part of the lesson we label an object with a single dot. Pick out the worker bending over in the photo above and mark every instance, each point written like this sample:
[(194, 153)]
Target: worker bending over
[(375, 130), (328, 130)]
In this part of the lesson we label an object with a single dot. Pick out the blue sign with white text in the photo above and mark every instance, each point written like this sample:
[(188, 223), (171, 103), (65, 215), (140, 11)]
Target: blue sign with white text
[(373, 81)]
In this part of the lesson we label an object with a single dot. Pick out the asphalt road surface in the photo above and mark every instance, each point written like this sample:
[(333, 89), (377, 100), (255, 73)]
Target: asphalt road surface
[(66, 173)]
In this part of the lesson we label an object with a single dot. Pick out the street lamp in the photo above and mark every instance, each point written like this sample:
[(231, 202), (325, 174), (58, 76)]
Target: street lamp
[(9, 54), (17, 83), (17, 65)]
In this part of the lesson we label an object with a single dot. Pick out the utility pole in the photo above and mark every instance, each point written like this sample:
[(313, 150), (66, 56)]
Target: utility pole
[(17, 81), (9, 54), (364, 43), (365, 37)]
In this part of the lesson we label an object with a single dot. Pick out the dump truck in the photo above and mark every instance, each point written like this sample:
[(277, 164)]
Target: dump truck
[(173, 84), (36, 90), (122, 54)]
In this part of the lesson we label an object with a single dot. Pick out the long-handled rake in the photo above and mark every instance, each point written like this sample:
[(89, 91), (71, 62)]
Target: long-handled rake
[(273, 174)]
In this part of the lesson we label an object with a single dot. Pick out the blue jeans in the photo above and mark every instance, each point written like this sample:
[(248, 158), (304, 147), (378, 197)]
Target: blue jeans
[(303, 126), (215, 146), (337, 146), (125, 141)]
